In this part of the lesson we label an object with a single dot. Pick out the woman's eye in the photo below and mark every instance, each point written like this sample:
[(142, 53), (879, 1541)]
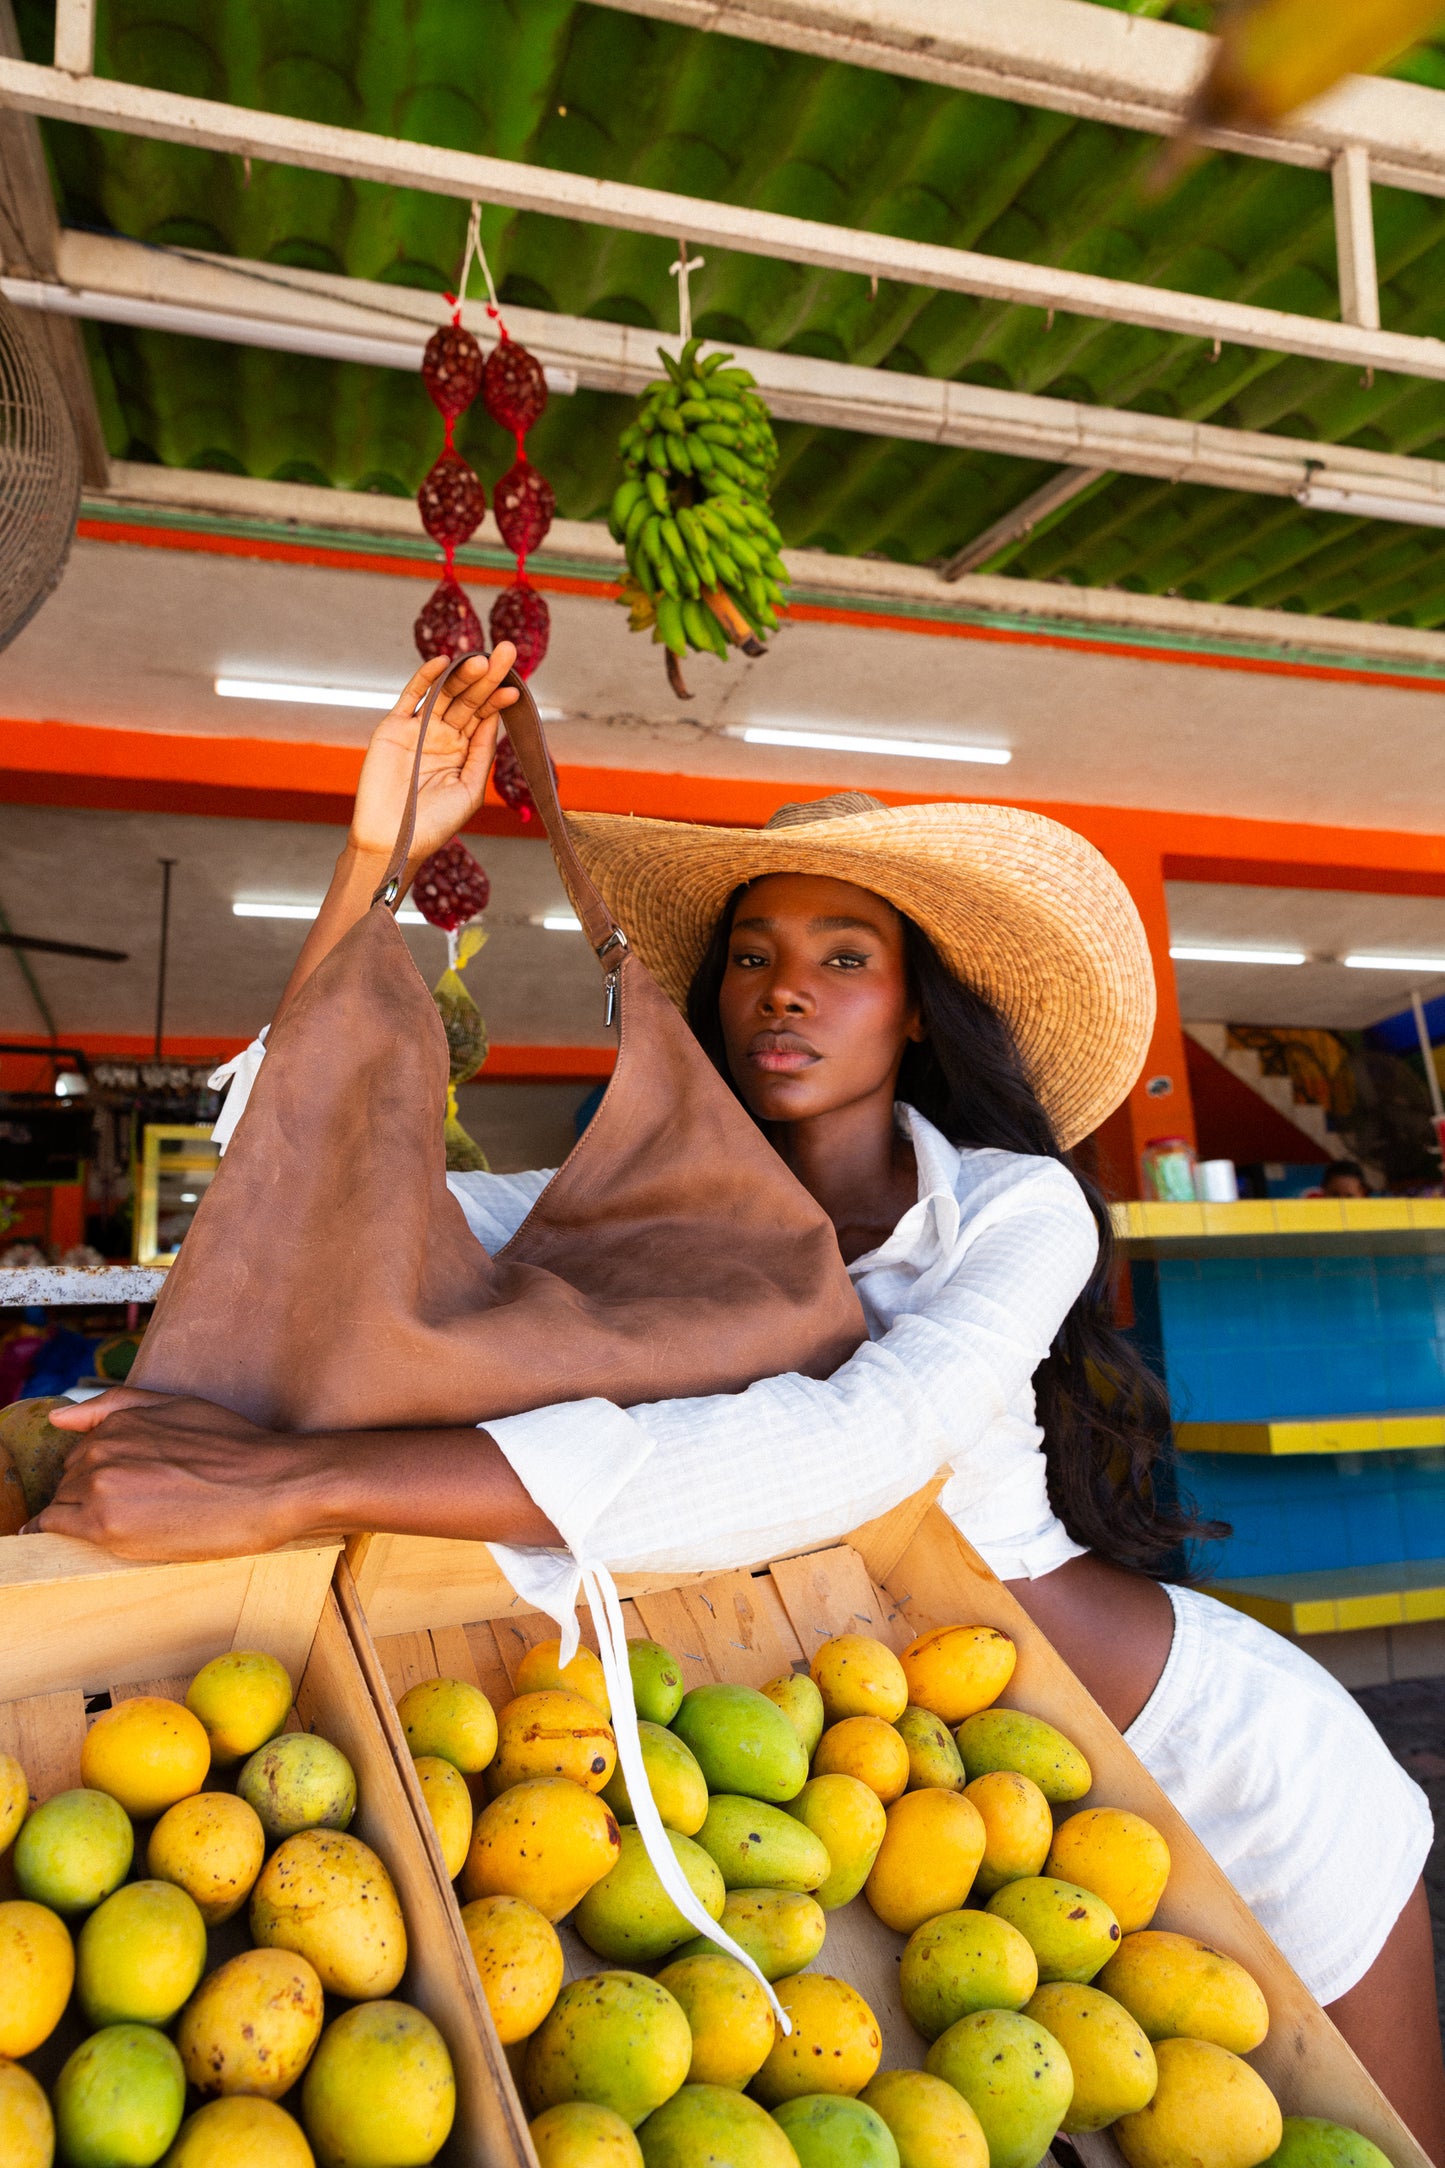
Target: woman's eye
[(849, 960), (748, 959)]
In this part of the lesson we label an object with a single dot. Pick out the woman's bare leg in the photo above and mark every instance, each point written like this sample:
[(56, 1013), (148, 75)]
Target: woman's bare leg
[(1390, 2020)]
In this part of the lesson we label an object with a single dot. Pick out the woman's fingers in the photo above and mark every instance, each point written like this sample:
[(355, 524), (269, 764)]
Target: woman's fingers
[(476, 692), (83, 1415)]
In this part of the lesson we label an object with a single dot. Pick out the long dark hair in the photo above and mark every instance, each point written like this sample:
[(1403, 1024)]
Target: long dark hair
[(1104, 1414)]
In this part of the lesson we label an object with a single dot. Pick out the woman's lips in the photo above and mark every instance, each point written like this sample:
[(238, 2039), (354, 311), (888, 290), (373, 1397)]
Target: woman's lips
[(780, 1055)]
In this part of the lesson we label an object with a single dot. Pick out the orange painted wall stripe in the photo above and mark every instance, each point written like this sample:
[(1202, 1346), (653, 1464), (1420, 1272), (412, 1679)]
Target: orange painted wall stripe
[(516, 1064)]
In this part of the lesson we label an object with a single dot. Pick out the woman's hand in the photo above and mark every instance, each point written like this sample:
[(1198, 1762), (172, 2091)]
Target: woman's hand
[(456, 759)]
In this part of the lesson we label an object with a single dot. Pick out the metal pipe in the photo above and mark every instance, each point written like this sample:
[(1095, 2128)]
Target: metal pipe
[(165, 865)]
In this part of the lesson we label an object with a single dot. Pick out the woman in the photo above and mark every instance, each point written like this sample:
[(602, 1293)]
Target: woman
[(896, 1093)]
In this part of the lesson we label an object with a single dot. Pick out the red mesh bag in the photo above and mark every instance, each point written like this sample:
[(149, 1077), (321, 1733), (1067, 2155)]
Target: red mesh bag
[(513, 387), (448, 625), (451, 369), (451, 500), (520, 615), (524, 504), (510, 783), (450, 887)]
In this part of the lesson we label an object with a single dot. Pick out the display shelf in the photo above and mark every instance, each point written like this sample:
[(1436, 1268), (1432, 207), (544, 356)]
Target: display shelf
[(1282, 1226), (1341, 1599), (75, 1286), (1316, 1434)]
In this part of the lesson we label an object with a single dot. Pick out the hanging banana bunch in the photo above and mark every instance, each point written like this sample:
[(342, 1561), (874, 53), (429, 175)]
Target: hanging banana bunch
[(1275, 55), (703, 569)]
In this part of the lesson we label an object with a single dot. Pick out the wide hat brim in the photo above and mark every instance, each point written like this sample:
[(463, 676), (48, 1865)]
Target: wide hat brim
[(1020, 908)]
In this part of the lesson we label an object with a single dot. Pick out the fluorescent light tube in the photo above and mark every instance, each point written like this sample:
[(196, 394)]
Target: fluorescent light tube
[(308, 911), (1427, 967), (316, 696), (559, 922), (1193, 955), (844, 741), (1370, 504)]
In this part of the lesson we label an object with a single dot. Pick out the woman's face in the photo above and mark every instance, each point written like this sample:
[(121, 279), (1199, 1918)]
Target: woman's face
[(815, 1007)]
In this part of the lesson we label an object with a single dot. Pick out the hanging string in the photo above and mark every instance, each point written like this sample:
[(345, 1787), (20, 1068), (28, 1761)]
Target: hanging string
[(682, 271), (474, 252)]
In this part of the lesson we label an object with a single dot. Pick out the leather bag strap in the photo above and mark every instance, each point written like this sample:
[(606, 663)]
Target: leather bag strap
[(524, 727)]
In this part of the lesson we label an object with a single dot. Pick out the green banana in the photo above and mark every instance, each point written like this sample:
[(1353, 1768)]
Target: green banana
[(719, 433), (701, 456), (670, 625), (657, 491), (657, 453), (641, 512), (703, 629)]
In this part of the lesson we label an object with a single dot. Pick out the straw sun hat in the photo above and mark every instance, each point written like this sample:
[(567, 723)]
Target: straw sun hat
[(1019, 907)]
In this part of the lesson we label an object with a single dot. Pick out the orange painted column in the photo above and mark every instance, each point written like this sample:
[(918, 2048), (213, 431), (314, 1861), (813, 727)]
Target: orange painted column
[(1160, 1104)]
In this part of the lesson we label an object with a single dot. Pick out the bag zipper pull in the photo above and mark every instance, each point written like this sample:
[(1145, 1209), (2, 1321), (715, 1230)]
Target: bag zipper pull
[(609, 1009), (616, 941)]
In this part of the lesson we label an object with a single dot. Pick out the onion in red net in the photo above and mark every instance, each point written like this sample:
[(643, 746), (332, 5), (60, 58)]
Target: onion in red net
[(450, 887), (451, 500), (451, 369), (448, 625), (524, 504), (511, 784), (520, 615), (514, 388)]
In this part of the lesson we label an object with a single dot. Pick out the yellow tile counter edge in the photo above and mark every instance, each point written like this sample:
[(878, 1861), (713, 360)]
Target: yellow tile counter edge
[(1318, 1434), (1343, 1599), (1151, 1222)]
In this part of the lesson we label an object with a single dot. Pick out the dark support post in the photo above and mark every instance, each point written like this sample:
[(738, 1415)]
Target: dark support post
[(165, 865)]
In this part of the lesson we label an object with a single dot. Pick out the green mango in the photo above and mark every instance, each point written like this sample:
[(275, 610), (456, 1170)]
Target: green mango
[(760, 1847), (781, 1931), (961, 1962), (743, 1742), (679, 1791), (1014, 2076), (1007, 1739), (1310, 2142), (828, 2130), (656, 1681), (933, 1759), (715, 2125), (74, 1851), (628, 1916), (119, 2099), (801, 1703), (1071, 1932), (298, 1781), (616, 2039)]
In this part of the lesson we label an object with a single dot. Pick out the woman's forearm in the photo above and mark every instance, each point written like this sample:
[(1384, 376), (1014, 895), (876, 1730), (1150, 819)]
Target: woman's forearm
[(355, 881), (416, 1483)]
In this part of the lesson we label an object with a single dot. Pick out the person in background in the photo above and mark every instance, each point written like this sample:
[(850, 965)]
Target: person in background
[(1345, 1178)]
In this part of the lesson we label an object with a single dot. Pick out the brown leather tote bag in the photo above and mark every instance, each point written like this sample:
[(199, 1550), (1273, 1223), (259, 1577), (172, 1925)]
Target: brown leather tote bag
[(329, 1280)]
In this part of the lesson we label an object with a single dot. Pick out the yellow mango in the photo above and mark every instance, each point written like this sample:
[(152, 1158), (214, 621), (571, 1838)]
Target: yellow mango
[(140, 1955), (850, 1819), (614, 2038), (828, 2016), (1007, 1739), (1174, 1984), (713, 2125), (74, 1850), (801, 1703), (552, 1734), (781, 1931), (858, 1676), (211, 1846), (1070, 1931), (450, 1718), (1014, 2076), (868, 1749), (33, 1446), (240, 2133), (14, 1506), (961, 1962), (252, 2024), (243, 1699), (628, 1917), (678, 1787), (27, 2127), (539, 1672), (1119, 1856), (576, 2134), (449, 1804), (297, 1782), (547, 1841), (1209, 2110), (933, 2126), (14, 1800), (1113, 2064), (147, 1753), (1018, 1828), (957, 1670), (927, 1860), (379, 2089), (825, 2129), (37, 1971), (657, 1686), (728, 2015), (933, 1758), (328, 1897), (519, 1962)]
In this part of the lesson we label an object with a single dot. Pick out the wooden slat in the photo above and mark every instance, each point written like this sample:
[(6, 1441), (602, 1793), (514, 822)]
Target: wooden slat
[(668, 1620), (487, 1658), (830, 1593), (739, 1623), (406, 1659), (171, 1688), (45, 1733), (453, 1653)]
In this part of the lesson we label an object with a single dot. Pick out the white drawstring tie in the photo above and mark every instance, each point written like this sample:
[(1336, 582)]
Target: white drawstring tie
[(554, 1581), (240, 1072)]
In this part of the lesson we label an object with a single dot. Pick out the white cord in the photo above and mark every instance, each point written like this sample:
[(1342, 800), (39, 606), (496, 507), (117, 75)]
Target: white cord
[(681, 271), (475, 252)]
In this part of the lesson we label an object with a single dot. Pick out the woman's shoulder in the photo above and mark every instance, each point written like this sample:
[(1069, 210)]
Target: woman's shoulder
[(495, 1205)]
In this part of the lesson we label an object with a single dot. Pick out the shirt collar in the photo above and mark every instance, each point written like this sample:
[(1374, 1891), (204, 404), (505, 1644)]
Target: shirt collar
[(929, 1228)]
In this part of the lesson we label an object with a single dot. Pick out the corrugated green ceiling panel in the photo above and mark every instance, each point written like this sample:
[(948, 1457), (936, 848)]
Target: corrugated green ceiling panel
[(583, 88)]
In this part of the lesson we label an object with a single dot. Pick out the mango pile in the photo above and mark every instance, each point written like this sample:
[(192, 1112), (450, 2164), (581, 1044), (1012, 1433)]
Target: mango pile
[(1027, 1960), (212, 1945)]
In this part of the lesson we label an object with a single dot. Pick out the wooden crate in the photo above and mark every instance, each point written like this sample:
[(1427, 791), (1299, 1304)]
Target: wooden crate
[(443, 1609), (75, 1622)]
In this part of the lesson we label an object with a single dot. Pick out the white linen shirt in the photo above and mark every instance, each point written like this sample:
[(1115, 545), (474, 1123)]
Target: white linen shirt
[(962, 1303)]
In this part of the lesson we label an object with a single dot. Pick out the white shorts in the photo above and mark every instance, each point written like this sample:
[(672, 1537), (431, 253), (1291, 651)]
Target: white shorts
[(1287, 1783)]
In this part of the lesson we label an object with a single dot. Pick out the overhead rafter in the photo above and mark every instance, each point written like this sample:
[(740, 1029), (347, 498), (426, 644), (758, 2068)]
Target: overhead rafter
[(1071, 56), (273, 305), (1060, 490), (315, 146)]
